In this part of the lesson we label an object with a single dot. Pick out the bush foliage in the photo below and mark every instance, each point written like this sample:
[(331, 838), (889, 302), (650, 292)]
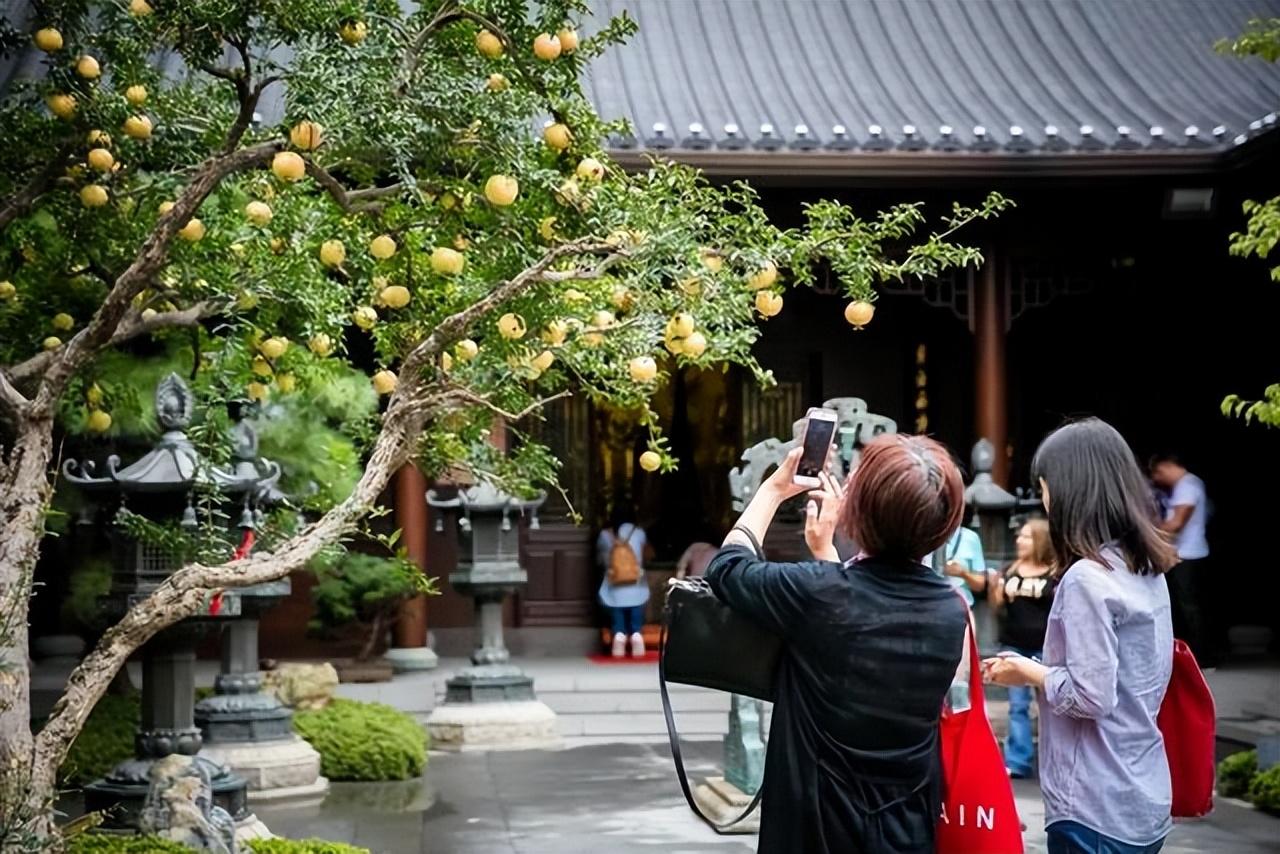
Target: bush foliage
[(106, 739), (1264, 791), (364, 741), (101, 843), (1236, 772)]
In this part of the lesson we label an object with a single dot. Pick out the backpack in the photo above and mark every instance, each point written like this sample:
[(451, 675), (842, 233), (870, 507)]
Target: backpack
[(623, 566)]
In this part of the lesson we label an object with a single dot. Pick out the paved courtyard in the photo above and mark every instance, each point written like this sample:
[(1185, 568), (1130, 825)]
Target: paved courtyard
[(617, 798)]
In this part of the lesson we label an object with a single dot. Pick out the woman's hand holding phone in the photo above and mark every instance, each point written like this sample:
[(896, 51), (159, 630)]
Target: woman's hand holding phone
[(821, 512)]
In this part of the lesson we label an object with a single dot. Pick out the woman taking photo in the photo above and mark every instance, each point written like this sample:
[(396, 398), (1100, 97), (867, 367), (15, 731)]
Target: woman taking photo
[(1108, 650), (1022, 596), (853, 761)]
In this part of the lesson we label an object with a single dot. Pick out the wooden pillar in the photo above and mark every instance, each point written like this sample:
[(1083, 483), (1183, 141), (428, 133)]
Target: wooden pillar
[(411, 517), (991, 408)]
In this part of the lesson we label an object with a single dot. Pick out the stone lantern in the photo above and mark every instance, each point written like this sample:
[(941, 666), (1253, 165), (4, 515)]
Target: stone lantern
[(992, 505), (162, 487), (491, 703)]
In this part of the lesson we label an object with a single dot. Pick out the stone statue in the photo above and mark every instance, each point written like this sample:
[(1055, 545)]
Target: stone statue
[(179, 806), (174, 403)]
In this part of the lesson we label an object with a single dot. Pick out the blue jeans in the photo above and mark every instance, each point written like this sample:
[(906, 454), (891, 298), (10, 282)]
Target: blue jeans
[(1071, 837), (622, 617), (1020, 746)]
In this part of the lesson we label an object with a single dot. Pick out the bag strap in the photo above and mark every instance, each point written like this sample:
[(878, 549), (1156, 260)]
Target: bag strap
[(674, 737)]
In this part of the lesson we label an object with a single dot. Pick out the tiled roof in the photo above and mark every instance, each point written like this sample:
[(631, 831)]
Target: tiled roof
[(999, 77)]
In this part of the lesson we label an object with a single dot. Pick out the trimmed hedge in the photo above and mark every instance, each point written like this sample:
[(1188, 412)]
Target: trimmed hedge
[(103, 843), (364, 741), (105, 739), (1236, 772), (1265, 790)]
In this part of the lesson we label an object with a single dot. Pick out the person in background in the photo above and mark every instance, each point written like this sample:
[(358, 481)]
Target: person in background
[(1108, 650), (963, 564), (693, 561), (626, 602), (1185, 519), (1021, 596)]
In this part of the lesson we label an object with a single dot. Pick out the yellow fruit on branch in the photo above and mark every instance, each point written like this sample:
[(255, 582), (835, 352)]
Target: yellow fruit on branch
[(543, 361), (446, 362), (501, 190), (622, 299), (568, 38), (332, 253), (98, 138), (643, 369), (136, 94), (603, 319), (382, 247), (385, 382), (8, 291), (261, 366), (547, 228), (365, 317), (511, 326), (93, 395), (556, 332), (288, 166), (93, 195), (353, 32), (557, 136), (497, 83), (547, 47), (763, 277), (394, 296), (88, 67), (165, 207), (695, 345), (650, 461), (446, 261), (590, 169), (194, 230), (466, 349), (99, 421), (63, 322), (48, 39), (274, 347), (488, 44), (286, 383), (711, 259), (258, 391), (61, 105), (53, 342), (682, 325), (140, 8), (575, 295), (137, 127), (306, 135), (100, 159), (320, 344), (768, 303), (859, 313), (258, 213)]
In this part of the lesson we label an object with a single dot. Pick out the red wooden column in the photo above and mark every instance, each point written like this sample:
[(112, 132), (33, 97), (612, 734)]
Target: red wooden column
[(991, 391), (411, 518)]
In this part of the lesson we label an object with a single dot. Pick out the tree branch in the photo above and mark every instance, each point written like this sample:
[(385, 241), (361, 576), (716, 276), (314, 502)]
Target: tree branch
[(18, 204), (471, 397), (447, 12), (351, 201)]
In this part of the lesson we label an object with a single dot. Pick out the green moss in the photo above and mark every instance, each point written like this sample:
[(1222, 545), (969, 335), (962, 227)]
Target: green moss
[(105, 739), (364, 741), (1265, 790), (102, 843), (302, 846), (1236, 772)]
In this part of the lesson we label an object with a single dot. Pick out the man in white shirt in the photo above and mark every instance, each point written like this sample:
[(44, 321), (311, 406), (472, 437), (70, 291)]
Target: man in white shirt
[(1186, 517)]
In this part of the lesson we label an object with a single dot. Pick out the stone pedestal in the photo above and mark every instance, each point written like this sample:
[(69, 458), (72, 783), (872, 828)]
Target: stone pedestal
[(510, 725), (722, 801), (411, 659)]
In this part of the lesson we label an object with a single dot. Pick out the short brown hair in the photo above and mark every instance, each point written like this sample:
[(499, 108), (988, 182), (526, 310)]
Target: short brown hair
[(905, 499)]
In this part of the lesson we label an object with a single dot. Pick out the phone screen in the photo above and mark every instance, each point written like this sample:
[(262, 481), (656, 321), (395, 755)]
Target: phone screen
[(817, 442)]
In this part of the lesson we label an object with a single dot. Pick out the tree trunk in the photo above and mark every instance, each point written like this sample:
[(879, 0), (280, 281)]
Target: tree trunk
[(24, 496), (375, 634)]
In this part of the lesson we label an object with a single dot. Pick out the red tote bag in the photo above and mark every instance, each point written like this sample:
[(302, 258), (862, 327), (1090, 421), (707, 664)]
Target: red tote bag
[(979, 814), (1187, 721)]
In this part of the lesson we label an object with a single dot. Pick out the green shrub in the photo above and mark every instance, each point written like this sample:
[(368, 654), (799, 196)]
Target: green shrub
[(302, 846), (1265, 790), (1236, 772), (364, 741), (109, 843), (105, 739)]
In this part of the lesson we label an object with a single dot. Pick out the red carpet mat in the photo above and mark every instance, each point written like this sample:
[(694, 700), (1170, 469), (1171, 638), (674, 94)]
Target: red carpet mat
[(650, 657)]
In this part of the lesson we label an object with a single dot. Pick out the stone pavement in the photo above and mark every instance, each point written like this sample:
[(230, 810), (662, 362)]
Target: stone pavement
[(620, 798)]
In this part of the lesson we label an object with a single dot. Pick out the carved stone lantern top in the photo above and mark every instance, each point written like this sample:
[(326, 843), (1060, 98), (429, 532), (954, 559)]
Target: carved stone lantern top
[(984, 494)]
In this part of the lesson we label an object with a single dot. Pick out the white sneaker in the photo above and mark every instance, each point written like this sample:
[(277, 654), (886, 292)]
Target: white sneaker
[(619, 645), (637, 645)]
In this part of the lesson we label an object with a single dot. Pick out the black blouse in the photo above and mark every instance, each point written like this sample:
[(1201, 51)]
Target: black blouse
[(853, 762)]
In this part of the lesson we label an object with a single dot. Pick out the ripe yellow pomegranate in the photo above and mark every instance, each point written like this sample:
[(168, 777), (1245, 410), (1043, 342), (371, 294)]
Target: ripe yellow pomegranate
[(501, 190), (274, 347), (88, 67), (768, 303), (98, 138), (764, 277), (320, 344), (511, 326), (353, 32), (488, 44), (557, 136), (48, 39), (53, 342), (140, 8), (590, 169), (382, 247), (93, 195), (136, 94), (258, 391), (603, 319), (62, 105), (682, 325), (286, 383), (446, 362), (194, 230), (546, 47), (306, 135), (568, 37), (99, 421), (711, 259), (385, 382), (365, 317), (446, 261), (575, 295), (260, 366), (8, 291), (650, 461), (695, 345), (394, 296), (643, 369), (497, 83), (165, 207), (859, 313), (556, 332), (258, 213), (288, 166), (100, 159), (543, 361), (466, 349), (332, 253), (137, 127), (63, 322)]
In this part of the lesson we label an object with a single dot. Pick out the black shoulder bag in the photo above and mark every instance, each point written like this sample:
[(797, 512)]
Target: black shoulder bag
[(696, 626)]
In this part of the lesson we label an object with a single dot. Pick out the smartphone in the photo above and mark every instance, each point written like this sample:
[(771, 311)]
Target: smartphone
[(819, 430)]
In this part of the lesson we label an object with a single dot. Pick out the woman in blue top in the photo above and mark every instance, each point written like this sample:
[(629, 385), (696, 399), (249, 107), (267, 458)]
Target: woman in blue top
[(1108, 650), (626, 602)]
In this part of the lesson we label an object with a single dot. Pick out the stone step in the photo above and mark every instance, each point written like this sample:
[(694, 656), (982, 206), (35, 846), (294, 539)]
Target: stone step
[(629, 702), (690, 723)]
